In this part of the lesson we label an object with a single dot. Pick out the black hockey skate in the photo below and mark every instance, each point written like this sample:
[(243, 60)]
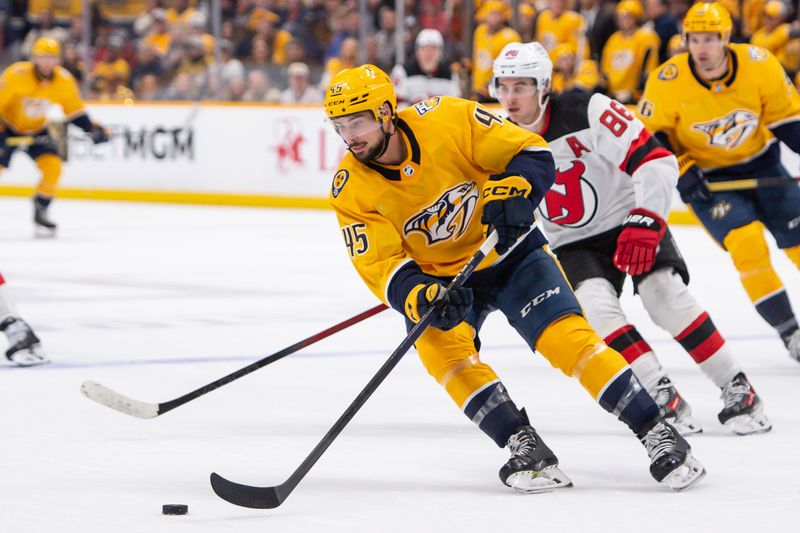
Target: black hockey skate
[(743, 411), (533, 466), (24, 347), (671, 460), (674, 409), (43, 226)]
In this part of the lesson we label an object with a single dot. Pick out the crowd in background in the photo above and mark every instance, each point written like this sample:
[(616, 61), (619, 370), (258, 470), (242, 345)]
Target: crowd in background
[(286, 50)]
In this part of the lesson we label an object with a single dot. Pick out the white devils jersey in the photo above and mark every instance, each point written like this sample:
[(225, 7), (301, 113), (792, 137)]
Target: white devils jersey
[(607, 164)]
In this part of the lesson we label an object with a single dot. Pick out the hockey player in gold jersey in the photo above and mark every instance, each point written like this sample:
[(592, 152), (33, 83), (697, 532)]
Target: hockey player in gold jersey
[(414, 198), (27, 89), (735, 102)]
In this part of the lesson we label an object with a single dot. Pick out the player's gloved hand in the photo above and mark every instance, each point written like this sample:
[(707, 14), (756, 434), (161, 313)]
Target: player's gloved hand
[(456, 305), (637, 244), (692, 184), (507, 208), (98, 134)]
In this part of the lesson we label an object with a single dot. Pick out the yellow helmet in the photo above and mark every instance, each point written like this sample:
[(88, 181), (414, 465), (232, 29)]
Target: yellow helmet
[(630, 7), (708, 17), (775, 8), (364, 88), (45, 46)]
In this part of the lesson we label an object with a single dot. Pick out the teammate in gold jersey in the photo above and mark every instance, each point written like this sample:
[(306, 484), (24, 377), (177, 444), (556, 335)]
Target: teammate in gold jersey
[(27, 89), (734, 103), (414, 197)]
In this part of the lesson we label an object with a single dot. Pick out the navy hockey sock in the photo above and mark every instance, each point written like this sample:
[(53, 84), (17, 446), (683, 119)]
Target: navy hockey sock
[(495, 414), (777, 311), (626, 399)]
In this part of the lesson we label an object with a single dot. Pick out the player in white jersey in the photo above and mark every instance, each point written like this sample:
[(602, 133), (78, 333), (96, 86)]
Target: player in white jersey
[(604, 217), (24, 348)]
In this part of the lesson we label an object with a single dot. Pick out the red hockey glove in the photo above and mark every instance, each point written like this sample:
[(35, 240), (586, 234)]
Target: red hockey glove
[(453, 310), (637, 244)]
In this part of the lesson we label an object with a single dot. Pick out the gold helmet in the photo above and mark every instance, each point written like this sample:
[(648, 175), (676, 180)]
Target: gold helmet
[(630, 7), (775, 8), (364, 88), (708, 17), (45, 46)]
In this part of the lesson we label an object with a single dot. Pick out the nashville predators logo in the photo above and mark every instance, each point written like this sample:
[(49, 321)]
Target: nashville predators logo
[(448, 217), (731, 130)]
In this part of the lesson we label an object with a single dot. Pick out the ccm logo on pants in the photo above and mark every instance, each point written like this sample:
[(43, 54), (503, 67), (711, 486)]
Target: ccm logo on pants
[(539, 299)]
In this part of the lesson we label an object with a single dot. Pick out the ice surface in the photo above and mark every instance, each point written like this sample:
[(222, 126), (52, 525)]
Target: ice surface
[(156, 300)]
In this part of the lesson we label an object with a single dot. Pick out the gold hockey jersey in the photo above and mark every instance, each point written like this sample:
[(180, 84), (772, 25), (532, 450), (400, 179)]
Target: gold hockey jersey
[(25, 99), (724, 122), (627, 60), (567, 28), (428, 208)]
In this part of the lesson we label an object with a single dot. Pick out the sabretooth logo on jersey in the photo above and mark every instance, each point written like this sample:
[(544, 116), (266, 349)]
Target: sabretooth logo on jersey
[(539, 299), (731, 130), (448, 217)]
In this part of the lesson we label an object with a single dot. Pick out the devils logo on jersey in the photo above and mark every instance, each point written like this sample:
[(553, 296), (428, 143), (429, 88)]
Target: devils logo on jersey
[(571, 201), (448, 217), (731, 130)]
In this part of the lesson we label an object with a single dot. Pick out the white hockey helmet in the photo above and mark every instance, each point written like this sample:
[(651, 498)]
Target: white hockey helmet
[(523, 60), (429, 37)]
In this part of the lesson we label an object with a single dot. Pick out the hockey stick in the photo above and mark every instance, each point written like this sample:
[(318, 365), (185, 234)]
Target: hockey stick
[(105, 396), (750, 183), (272, 497)]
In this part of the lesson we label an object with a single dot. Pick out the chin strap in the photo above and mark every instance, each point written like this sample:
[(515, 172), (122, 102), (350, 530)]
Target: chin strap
[(544, 99)]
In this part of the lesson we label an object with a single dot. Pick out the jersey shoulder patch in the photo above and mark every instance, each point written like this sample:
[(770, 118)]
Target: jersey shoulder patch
[(426, 106), (757, 54), (668, 72), (339, 181)]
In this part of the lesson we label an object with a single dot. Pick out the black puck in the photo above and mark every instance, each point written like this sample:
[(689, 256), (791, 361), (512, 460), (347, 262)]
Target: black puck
[(174, 508)]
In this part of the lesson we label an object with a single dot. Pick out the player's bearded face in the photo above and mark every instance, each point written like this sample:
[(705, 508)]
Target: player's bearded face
[(707, 50), (362, 133), (519, 99), (45, 64)]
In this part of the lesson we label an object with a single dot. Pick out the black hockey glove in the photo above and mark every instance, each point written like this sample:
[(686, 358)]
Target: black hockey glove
[(507, 208), (692, 184), (457, 303), (98, 134)]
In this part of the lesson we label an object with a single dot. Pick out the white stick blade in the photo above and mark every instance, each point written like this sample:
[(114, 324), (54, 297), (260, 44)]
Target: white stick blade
[(105, 396)]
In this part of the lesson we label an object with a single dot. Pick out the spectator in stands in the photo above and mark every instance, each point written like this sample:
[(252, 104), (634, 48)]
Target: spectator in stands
[(181, 88), (144, 22), (196, 24), (111, 70), (664, 24), (195, 64), (675, 46), (296, 52), (230, 66), (259, 89), (777, 36), (147, 62), (489, 38), (347, 21), (630, 54), (234, 89), (259, 53), (179, 14), (558, 25), (432, 14), (300, 90), (147, 88), (599, 24), (571, 75), (747, 17), (159, 36), (71, 61), (427, 73), (46, 28), (526, 27), (347, 58), (384, 37)]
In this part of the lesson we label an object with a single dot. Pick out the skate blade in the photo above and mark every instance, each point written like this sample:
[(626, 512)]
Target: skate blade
[(685, 476), (42, 232), (750, 424), (29, 360), (530, 482), (686, 426)]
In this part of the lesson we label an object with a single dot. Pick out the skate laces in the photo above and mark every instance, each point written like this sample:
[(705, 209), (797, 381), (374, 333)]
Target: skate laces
[(793, 345), (664, 392), (522, 442), (737, 391), (658, 441)]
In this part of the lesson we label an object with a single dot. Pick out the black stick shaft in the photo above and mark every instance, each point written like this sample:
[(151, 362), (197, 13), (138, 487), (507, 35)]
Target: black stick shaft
[(205, 389)]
